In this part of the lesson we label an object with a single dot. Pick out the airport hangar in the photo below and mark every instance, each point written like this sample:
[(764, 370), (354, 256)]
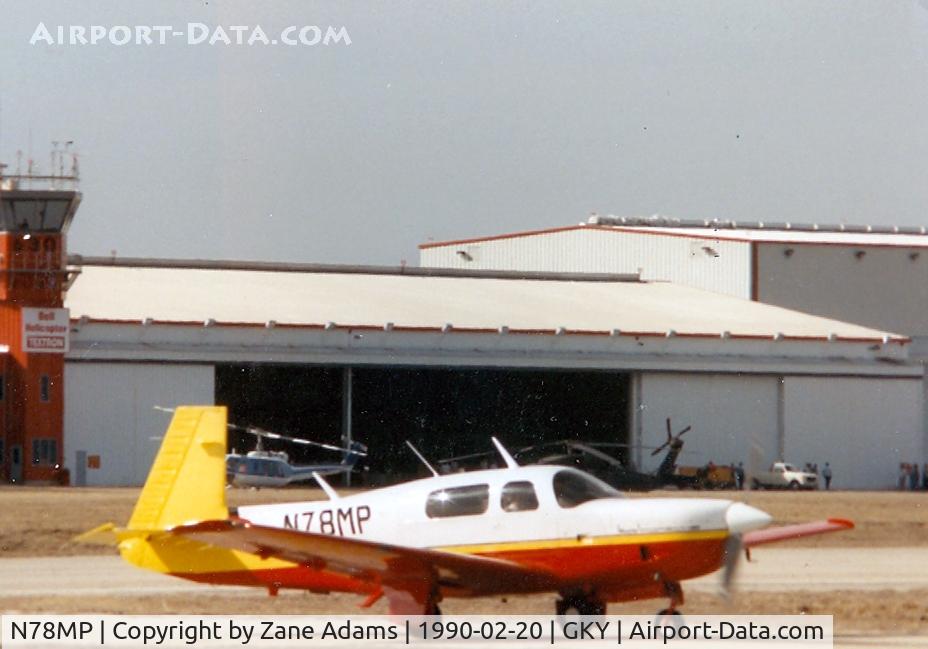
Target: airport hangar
[(447, 358), (876, 276)]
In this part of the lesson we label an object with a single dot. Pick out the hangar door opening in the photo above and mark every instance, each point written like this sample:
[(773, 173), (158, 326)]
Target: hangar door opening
[(292, 400), (444, 412), (453, 412)]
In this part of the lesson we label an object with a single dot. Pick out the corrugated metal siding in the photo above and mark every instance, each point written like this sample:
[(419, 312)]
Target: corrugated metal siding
[(725, 411), (109, 411), (714, 265), (877, 287), (863, 427)]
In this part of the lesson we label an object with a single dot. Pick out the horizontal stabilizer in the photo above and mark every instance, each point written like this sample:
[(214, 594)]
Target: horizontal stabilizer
[(395, 565), (103, 535)]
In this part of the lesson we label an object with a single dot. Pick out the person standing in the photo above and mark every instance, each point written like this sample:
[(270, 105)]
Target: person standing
[(826, 473), (914, 480)]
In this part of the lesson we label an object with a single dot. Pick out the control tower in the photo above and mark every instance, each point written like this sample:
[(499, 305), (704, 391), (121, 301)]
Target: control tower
[(35, 212)]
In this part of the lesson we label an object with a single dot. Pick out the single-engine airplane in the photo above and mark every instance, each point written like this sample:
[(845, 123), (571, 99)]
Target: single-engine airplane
[(494, 532)]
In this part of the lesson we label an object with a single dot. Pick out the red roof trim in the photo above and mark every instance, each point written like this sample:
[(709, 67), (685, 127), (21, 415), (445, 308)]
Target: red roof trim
[(901, 340), (510, 235), (659, 232)]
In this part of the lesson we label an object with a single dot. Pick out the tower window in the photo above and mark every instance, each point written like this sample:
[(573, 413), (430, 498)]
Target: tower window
[(44, 451), (45, 389)]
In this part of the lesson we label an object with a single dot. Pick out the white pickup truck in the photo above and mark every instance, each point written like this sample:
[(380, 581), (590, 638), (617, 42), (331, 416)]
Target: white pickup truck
[(783, 475)]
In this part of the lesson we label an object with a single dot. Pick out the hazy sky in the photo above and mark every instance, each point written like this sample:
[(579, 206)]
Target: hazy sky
[(447, 120)]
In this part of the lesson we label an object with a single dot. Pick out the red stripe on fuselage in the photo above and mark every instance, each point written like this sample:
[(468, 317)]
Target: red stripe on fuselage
[(617, 569)]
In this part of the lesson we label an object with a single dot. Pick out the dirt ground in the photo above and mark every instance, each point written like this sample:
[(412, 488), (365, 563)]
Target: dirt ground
[(42, 522)]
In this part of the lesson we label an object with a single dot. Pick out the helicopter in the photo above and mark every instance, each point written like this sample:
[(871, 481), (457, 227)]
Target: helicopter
[(263, 468), (593, 458)]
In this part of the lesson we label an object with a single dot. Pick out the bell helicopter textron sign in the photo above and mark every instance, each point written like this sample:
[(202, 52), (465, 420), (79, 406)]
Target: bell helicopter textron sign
[(45, 330)]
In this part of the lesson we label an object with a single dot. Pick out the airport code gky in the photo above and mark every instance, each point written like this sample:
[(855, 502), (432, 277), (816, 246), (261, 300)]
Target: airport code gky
[(343, 521)]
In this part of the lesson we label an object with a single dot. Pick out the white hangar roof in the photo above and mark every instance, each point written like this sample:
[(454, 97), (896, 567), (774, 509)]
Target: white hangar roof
[(229, 293)]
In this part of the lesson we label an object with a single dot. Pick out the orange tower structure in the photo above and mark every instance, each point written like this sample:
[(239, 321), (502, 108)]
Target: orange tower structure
[(35, 212)]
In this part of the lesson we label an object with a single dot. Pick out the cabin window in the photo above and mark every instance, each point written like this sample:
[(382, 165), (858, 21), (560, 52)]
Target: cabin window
[(518, 496), (44, 451), (572, 488), (469, 500)]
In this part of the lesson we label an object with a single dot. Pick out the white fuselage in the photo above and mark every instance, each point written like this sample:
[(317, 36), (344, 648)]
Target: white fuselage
[(400, 514)]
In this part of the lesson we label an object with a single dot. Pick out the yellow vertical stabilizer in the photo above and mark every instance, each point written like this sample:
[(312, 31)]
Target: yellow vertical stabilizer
[(187, 481), (186, 484)]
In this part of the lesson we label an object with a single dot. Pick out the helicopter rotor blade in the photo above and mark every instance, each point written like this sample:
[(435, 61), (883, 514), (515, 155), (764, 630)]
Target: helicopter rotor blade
[(260, 432)]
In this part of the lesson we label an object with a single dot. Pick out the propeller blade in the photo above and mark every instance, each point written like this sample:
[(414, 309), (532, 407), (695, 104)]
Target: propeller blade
[(733, 547)]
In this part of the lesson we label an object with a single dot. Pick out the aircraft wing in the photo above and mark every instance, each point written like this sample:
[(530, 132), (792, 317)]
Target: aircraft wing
[(786, 532), (395, 567)]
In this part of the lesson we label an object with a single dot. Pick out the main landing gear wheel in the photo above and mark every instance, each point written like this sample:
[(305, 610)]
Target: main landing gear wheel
[(667, 612), (579, 605), (671, 615)]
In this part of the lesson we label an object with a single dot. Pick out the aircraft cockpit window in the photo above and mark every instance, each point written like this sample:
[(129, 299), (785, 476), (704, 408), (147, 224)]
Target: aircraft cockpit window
[(572, 488), (470, 500), (518, 496)]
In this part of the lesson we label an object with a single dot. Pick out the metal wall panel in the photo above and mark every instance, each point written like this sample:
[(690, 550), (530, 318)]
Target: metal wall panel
[(863, 427), (885, 288), (109, 412), (714, 265), (728, 414)]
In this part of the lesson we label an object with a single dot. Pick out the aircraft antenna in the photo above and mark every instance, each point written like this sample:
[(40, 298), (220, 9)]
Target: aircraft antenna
[(326, 487), (510, 461), (422, 458)]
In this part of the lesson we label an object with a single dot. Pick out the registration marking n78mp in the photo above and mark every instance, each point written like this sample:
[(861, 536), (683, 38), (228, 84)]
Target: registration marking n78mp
[(342, 521)]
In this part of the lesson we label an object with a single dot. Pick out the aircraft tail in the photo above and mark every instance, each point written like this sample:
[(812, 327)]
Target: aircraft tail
[(186, 483), (187, 480)]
